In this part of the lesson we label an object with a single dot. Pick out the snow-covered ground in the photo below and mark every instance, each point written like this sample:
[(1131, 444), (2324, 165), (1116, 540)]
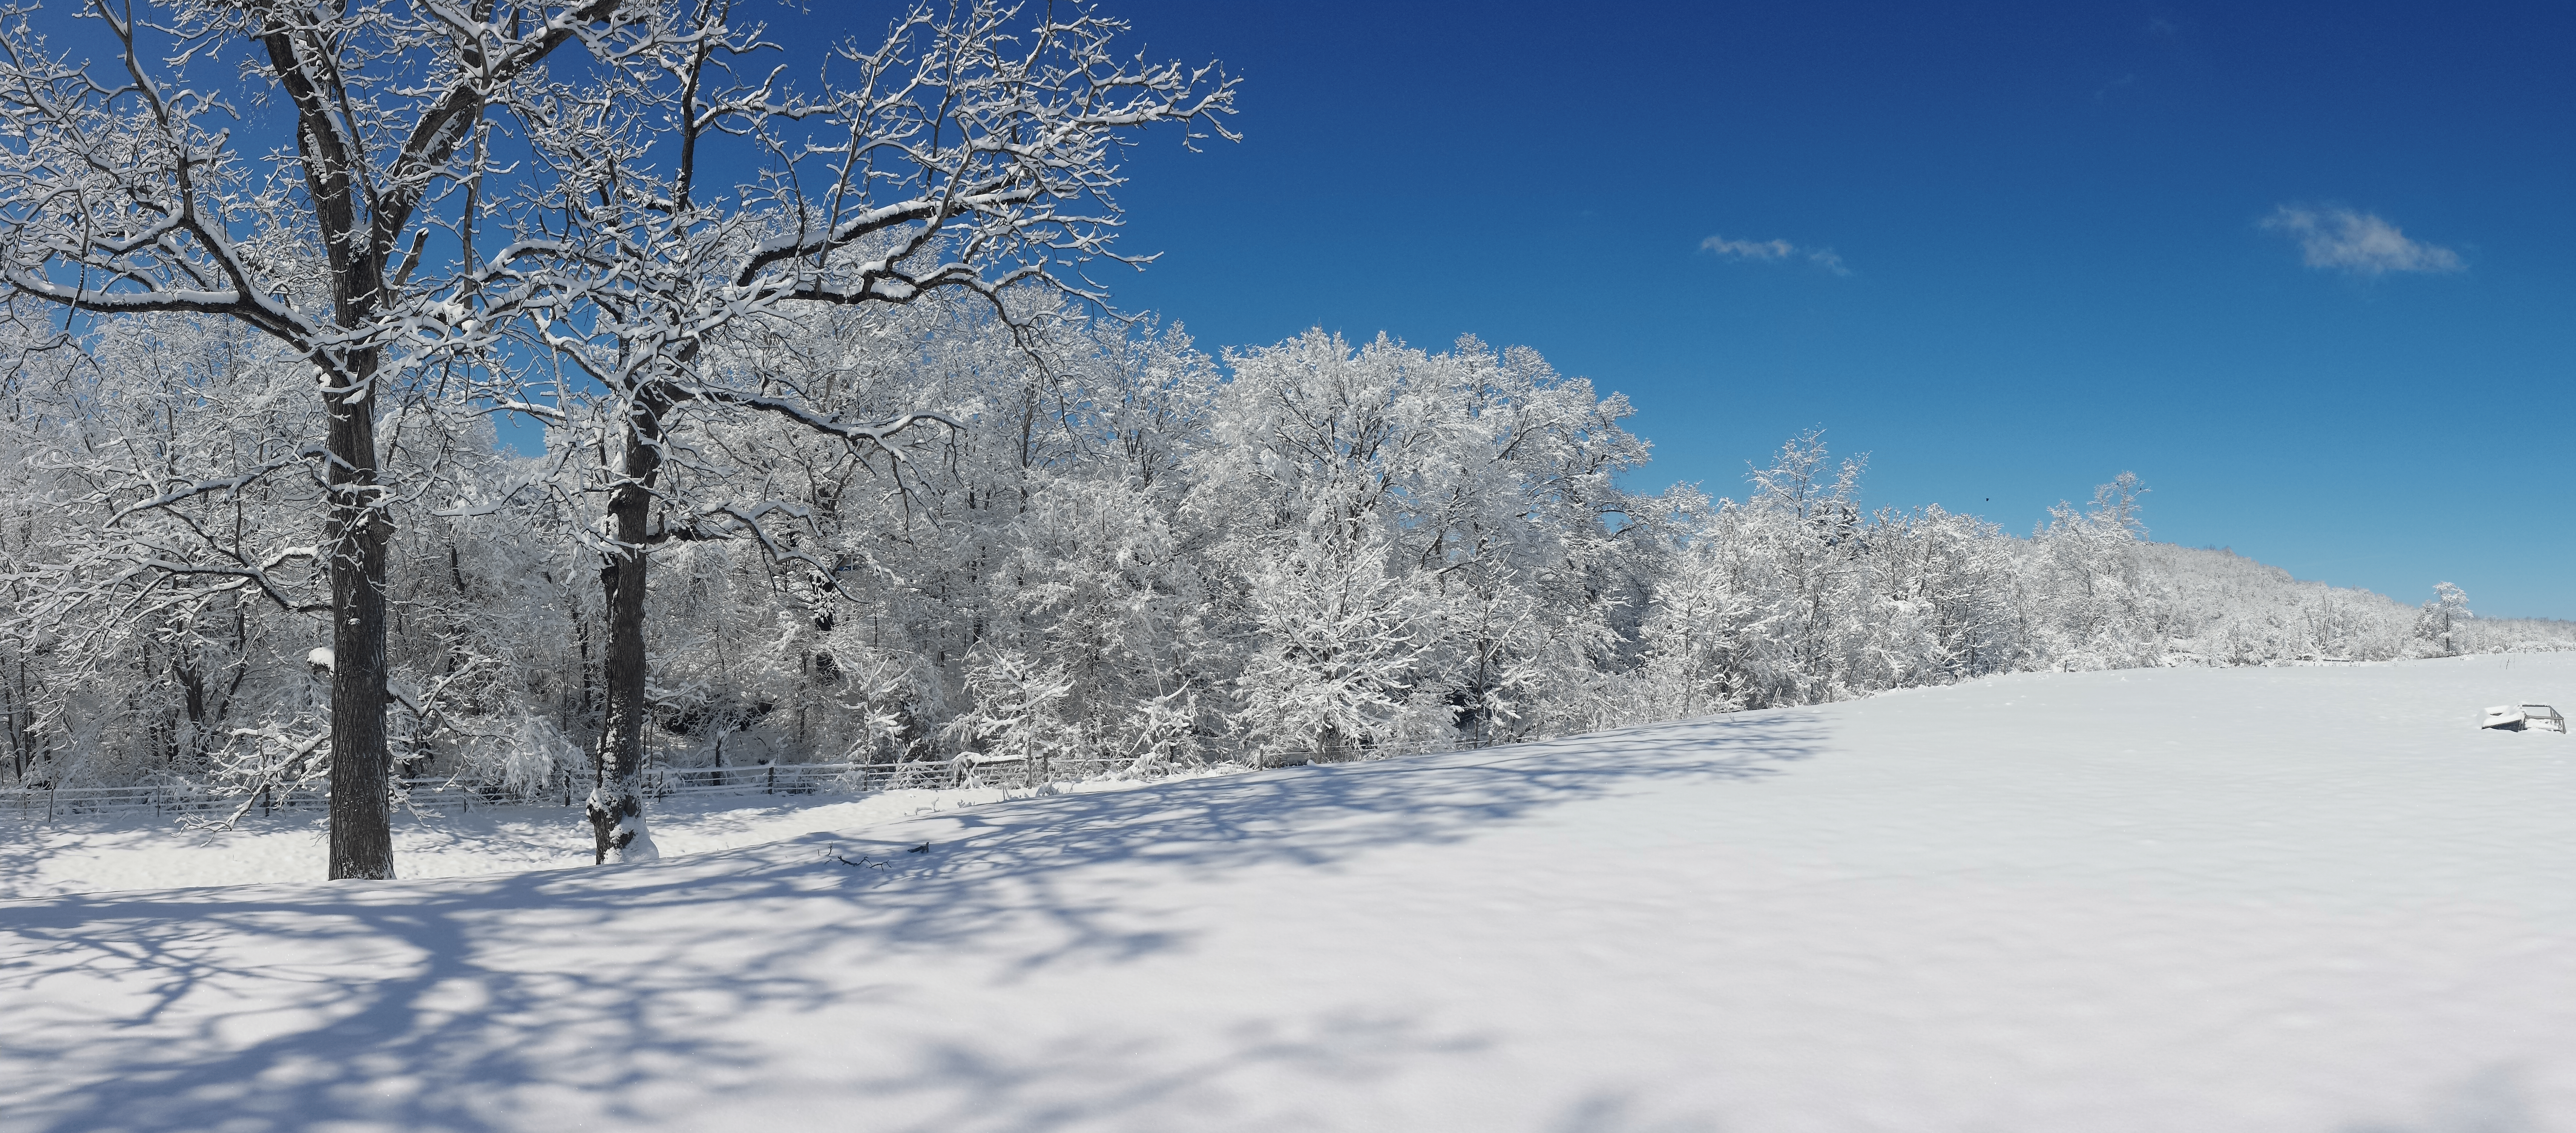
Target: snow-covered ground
[(2271, 900), (135, 851)]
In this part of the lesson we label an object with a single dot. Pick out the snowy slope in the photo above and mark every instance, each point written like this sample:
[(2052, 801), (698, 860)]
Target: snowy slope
[(2277, 900)]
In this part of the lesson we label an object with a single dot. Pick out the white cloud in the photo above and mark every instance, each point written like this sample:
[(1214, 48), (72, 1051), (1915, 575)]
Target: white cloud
[(1749, 249), (1825, 258), (2357, 242)]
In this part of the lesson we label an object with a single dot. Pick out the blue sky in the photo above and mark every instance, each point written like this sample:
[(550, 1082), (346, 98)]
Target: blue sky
[(2026, 247), (2308, 270)]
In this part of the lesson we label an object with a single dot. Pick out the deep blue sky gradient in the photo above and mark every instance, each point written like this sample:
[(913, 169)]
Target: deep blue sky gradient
[(2051, 216)]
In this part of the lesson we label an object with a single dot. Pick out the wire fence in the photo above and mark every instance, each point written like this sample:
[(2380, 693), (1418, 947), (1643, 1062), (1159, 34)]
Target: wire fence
[(442, 794), (446, 794)]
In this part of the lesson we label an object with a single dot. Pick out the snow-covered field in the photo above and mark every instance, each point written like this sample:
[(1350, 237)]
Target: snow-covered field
[(2281, 900), (80, 855)]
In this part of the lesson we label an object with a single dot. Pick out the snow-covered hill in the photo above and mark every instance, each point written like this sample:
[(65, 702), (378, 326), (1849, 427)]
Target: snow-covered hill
[(2208, 900)]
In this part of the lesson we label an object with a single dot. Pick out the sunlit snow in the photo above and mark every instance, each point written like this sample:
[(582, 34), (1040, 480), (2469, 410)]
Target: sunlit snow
[(2281, 899)]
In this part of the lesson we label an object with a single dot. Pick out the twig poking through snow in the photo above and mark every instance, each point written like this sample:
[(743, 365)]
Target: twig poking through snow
[(833, 853)]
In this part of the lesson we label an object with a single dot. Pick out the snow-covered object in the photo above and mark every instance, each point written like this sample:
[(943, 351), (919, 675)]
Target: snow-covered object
[(631, 840), (2521, 717), (639, 847), (321, 659), (2217, 901)]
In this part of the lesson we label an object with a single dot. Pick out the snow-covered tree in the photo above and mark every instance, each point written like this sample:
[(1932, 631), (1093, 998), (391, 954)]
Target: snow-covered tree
[(974, 151), (1137, 560), (139, 187), (2438, 627)]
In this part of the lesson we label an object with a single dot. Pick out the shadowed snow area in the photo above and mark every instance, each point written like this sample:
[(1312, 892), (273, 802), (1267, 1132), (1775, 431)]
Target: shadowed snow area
[(2272, 899), (39, 858)]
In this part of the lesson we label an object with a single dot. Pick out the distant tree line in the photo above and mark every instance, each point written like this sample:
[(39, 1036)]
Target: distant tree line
[(1136, 559)]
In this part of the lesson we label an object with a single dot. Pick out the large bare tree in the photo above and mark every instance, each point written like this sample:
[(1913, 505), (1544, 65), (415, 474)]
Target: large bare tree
[(145, 184), (970, 151)]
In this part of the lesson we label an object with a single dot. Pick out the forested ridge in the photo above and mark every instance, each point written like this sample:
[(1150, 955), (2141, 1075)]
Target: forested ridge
[(1150, 559)]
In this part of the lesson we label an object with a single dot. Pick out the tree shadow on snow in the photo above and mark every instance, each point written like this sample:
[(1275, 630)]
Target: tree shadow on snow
[(452, 1005), (2496, 1099)]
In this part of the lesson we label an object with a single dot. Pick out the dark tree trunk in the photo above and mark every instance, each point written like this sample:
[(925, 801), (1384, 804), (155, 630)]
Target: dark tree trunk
[(362, 844), (616, 798), (357, 531), (9, 721), (193, 684), (360, 225), (589, 705)]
